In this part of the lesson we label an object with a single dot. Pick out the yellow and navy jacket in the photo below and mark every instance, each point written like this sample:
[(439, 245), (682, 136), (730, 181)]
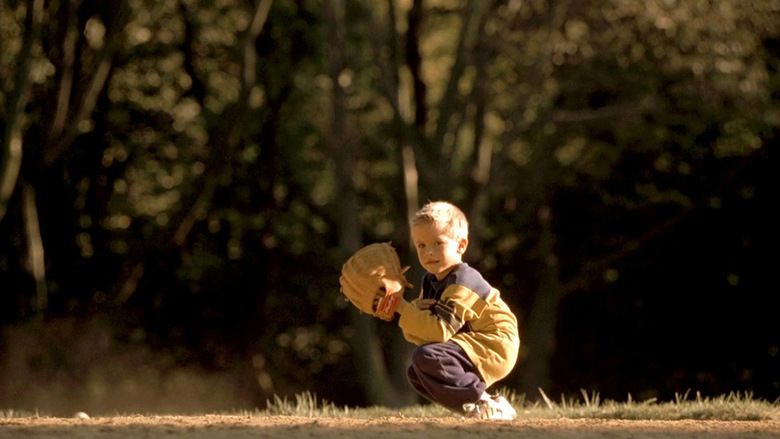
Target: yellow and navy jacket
[(471, 313)]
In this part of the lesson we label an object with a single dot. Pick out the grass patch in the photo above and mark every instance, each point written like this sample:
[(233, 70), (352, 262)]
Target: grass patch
[(11, 413), (734, 406), (731, 407), (307, 404)]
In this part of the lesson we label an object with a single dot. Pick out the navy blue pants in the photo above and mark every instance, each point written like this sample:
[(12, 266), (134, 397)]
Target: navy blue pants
[(444, 374)]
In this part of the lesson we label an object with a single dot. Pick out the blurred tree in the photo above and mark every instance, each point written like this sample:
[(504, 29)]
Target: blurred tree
[(170, 163), (15, 94), (634, 102), (368, 356), (544, 108), (45, 132)]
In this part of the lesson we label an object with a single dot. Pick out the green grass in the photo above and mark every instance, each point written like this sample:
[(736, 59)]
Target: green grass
[(734, 406), (11, 413)]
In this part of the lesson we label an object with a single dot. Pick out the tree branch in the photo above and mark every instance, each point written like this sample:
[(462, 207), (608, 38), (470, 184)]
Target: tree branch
[(414, 61), (225, 139), (471, 17), (595, 269), (608, 112), (389, 77), (65, 88), (198, 88), (228, 140), (35, 252), (482, 148), (95, 86), (13, 136), (249, 59), (390, 82)]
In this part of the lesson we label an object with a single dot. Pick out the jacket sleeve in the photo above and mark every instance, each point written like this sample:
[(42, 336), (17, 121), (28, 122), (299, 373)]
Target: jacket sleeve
[(458, 305)]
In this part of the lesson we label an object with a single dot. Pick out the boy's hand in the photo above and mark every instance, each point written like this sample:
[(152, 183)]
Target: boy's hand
[(425, 303), (373, 280), (387, 305)]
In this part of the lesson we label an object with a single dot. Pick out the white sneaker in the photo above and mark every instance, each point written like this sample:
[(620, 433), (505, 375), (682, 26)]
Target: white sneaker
[(494, 407)]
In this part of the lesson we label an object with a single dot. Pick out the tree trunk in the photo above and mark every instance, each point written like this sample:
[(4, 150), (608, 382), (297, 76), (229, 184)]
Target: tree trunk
[(366, 345), (538, 335), (482, 170), (63, 135), (35, 254), (11, 165), (11, 154)]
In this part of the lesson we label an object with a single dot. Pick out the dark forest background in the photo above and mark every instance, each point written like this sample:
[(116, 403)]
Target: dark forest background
[(181, 180)]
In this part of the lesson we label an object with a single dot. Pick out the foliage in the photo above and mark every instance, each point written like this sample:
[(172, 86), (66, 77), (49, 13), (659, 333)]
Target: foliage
[(613, 157)]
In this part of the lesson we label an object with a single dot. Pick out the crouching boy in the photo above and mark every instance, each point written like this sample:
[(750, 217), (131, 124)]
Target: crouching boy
[(468, 337)]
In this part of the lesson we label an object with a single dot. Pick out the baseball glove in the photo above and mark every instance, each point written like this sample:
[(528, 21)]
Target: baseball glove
[(373, 280)]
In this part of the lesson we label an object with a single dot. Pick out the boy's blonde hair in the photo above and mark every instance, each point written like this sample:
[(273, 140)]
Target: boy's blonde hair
[(446, 217)]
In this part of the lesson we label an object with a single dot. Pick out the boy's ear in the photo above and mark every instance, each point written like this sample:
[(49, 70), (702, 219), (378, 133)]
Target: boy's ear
[(463, 243)]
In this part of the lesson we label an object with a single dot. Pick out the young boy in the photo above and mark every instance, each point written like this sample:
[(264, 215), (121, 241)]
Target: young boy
[(467, 336)]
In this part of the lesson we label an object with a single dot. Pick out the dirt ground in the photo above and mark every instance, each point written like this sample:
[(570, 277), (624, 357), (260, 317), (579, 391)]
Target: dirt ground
[(237, 426)]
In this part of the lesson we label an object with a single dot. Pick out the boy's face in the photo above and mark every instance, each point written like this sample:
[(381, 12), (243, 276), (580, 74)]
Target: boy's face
[(437, 252)]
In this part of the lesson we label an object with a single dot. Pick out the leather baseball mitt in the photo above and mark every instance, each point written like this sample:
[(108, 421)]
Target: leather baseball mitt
[(373, 280)]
